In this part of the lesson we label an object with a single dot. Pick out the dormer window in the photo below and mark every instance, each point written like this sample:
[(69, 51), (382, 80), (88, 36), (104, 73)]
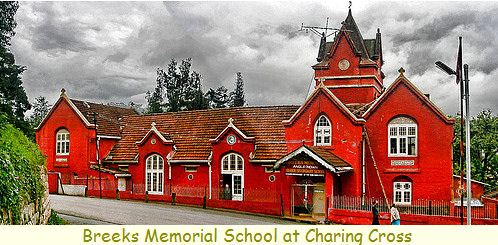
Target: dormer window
[(323, 132), (62, 142)]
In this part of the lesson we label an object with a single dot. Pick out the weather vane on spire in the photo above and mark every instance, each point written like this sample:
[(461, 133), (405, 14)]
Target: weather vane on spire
[(318, 30), (350, 3)]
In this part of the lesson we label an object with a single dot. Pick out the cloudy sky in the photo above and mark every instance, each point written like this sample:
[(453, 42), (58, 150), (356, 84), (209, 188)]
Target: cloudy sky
[(109, 52)]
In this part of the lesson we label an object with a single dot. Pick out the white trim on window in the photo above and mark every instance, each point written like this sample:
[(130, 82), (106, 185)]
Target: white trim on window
[(402, 192), (62, 142), (402, 139), (154, 174), (233, 164), (322, 132)]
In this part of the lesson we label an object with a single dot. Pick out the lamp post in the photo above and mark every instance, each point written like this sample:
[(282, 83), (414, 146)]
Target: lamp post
[(464, 95)]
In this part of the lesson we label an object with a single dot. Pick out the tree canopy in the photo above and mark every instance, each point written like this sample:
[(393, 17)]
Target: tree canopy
[(483, 149), (13, 99), (237, 96)]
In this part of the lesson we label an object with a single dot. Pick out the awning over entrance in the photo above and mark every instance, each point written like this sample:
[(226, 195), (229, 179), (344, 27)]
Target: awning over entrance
[(322, 156)]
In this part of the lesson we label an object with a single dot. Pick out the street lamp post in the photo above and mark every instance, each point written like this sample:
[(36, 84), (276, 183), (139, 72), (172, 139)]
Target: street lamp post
[(464, 95), (467, 142)]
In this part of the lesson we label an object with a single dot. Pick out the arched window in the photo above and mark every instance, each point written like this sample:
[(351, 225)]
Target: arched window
[(402, 137), (62, 142), (154, 174), (323, 131), (232, 169), (232, 162), (402, 190)]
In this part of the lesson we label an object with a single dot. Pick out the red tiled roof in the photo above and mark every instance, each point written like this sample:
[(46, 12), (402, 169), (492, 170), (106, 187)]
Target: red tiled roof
[(329, 156), (107, 116), (192, 130)]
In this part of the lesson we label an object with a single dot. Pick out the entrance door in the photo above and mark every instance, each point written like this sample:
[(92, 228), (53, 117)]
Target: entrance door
[(319, 201), (237, 187)]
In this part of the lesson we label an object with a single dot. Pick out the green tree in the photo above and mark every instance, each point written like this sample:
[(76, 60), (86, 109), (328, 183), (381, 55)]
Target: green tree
[(484, 147), (237, 97), (41, 107), (218, 98), (178, 89), (13, 99)]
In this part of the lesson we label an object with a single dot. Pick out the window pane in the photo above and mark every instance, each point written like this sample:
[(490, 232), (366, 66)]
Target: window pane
[(393, 131), (160, 186), (239, 163), (67, 147), (154, 181), (232, 161), (394, 148), (402, 131), (318, 139), (237, 184), (397, 196), (326, 139), (411, 131), (160, 167), (149, 183), (411, 146), (225, 163), (402, 145)]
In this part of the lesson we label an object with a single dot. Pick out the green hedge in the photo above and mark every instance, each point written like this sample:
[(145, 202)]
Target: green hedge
[(21, 165)]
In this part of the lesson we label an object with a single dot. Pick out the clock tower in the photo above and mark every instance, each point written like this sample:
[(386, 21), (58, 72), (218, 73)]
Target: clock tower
[(350, 66)]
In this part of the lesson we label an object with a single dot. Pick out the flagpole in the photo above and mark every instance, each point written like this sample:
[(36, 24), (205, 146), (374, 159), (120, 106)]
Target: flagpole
[(459, 80)]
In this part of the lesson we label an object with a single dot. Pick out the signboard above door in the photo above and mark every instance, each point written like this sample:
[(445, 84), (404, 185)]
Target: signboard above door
[(303, 168)]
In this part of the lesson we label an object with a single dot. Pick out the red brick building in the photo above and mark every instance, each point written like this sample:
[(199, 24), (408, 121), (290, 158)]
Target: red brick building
[(352, 137)]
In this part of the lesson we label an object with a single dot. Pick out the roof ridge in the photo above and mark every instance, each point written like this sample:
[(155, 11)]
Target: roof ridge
[(102, 104), (218, 109)]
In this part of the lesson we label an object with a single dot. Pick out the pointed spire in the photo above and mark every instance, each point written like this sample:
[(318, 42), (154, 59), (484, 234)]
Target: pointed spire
[(321, 49)]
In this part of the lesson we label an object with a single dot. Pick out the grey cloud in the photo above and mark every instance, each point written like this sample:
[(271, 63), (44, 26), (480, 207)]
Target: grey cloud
[(61, 36), (118, 56)]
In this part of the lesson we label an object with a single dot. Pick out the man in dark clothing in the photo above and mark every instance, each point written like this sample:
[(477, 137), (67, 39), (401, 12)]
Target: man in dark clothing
[(375, 214)]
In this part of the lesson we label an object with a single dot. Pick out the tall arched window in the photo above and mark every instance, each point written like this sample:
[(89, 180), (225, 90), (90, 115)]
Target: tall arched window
[(62, 142), (402, 137), (323, 131), (154, 174), (232, 169)]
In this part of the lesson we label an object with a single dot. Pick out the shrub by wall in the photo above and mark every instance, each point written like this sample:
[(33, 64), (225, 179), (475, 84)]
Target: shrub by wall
[(23, 196)]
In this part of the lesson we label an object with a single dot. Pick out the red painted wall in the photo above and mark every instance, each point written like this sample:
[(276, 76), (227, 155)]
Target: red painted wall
[(432, 172), (346, 138), (343, 50), (80, 146), (144, 151)]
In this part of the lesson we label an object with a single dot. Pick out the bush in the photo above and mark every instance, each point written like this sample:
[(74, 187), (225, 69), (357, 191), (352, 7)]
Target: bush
[(54, 219), (21, 165)]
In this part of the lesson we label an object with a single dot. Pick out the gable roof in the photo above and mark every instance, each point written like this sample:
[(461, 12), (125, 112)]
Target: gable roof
[(321, 155), (107, 116), (368, 49), (231, 126), (412, 88), (323, 89), (191, 131), (153, 130)]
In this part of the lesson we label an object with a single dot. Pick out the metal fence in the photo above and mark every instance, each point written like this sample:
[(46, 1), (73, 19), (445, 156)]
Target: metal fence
[(419, 207)]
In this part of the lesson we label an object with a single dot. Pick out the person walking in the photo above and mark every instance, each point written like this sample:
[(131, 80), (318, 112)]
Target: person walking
[(395, 219), (375, 213)]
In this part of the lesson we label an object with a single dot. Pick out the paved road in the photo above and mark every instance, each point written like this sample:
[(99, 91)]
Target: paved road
[(86, 210)]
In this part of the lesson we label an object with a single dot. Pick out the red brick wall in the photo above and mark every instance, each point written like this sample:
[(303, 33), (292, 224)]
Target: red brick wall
[(432, 172)]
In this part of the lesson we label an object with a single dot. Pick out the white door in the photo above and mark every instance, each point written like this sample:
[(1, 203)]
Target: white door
[(237, 187)]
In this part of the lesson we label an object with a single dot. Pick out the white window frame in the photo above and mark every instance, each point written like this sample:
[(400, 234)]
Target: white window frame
[(235, 167), (403, 192), (62, 146), (396, 128), (156, 187), (320, 132)]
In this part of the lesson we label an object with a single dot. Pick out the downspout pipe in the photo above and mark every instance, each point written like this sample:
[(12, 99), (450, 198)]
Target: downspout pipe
[(210, 158), (363, 169)]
